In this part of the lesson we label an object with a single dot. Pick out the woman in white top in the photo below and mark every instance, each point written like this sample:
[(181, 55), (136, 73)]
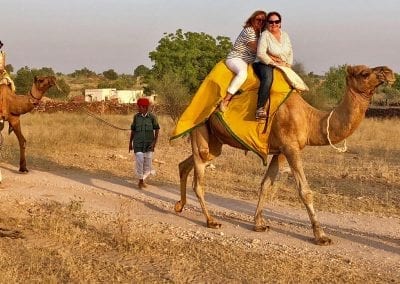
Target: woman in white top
[(243, 53), (274, 49)]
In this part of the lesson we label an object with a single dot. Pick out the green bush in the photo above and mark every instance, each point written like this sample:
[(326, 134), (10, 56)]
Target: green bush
[(173, 94)]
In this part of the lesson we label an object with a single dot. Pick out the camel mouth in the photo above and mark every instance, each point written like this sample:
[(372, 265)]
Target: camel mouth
[(391, 81)]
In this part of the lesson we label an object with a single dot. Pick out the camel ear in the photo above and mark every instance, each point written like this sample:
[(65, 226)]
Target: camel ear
[(349, 69), (35, 79)]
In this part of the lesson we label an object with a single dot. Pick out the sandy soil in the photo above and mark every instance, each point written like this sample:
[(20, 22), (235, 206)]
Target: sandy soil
[(371, 243)]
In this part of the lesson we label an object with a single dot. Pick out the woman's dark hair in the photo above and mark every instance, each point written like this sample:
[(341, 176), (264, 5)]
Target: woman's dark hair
[(249, 21), (270, 14)]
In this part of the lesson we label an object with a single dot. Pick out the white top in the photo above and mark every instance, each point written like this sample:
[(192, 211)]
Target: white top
[(268, 44)]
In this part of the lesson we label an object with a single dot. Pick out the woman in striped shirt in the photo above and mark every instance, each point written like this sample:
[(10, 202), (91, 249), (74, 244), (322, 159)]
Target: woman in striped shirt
[(243, 53)]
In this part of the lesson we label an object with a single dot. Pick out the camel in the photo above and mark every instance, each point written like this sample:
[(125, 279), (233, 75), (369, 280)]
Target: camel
[(18, 105), (296, 125)]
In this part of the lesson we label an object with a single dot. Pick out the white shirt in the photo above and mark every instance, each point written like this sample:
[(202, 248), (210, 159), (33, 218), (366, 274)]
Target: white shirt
[(268, 44)]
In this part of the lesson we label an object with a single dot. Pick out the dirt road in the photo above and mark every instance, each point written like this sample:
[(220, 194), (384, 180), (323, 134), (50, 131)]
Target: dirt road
[(362, 242)]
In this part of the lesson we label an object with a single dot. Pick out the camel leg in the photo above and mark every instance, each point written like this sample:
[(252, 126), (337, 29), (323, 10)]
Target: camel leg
[(185, 167), (200, 152), (306, 195), (16, 125), (266, 184)]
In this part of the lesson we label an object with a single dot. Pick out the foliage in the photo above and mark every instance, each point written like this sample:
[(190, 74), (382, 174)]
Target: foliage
[(123, 82), (62, 93), (25, 77), (172, 93), (141, 71), (396, 84), (313, 96), (9, 68), (334, 85), (298, 67), (84, 72), (189, 55), (110, 74)]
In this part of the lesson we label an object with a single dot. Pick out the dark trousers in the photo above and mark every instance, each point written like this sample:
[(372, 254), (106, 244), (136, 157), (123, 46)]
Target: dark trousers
[(265, 74)]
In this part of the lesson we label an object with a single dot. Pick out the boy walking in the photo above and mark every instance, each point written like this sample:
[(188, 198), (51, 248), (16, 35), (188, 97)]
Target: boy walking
[(143, 139)]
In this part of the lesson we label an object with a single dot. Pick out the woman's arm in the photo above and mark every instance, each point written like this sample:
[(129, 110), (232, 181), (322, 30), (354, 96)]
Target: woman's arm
[(252, 45), (262, 50)]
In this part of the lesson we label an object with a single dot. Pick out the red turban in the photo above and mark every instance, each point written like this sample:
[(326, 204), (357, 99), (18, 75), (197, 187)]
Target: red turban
[(143, 102)]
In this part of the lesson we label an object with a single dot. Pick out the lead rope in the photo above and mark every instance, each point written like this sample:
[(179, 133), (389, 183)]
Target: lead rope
[(108, 123), (342, 149), (103, 121)]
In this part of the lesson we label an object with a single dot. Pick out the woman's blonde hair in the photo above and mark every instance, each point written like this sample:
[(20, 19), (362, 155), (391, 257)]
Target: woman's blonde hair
[(249, 21)]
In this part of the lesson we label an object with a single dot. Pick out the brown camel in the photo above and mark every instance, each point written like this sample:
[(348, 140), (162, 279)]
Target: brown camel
[(296, 125), (18, 105)]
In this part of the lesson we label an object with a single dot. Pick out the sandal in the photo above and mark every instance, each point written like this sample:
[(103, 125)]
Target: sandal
[(261, 113)]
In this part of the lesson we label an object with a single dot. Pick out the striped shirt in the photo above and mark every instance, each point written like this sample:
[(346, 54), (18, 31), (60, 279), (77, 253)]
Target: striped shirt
[(240, 48)]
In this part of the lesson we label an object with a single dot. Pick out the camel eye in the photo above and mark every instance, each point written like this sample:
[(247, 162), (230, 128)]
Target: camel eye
[(365, 73)]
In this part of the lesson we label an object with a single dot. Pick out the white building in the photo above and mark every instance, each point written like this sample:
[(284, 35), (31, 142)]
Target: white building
[(99, 95), (128, 96), (123, 96)]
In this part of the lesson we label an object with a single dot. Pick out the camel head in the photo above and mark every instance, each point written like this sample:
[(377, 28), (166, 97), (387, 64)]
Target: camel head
[(40, 86), (364, 80), (43, 83)]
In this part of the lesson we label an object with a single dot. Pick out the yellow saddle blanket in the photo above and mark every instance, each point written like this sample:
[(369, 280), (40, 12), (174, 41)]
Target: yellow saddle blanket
[(239, 119)]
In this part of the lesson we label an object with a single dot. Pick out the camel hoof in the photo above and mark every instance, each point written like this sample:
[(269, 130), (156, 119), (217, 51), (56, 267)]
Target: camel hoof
[(261, 228), (323, 241), (213, 225), (23, 170), (178, 207)]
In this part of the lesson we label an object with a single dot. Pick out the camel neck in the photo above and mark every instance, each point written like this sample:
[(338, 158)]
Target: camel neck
[(348, 115), (35, 96)]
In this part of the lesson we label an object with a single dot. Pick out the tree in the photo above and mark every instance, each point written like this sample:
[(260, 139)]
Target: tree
[(110, 74), (123, 82), (396, 84), (23, 80), (141, 71), (189, 55), (172, 92), (9, 68), (334, 85), (63, 92), (84, 72), (25, 77), (298, 67)]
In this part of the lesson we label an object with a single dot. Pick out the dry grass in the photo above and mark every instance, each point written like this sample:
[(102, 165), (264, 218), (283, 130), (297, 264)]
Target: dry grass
[(66, 244), (365, 179)]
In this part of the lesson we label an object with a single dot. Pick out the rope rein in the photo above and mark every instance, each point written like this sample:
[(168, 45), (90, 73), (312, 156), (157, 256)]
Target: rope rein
[(106, 122), (103, 121), (342, 149)]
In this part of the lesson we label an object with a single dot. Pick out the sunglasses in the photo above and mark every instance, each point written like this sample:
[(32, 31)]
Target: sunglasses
[(274, 22)]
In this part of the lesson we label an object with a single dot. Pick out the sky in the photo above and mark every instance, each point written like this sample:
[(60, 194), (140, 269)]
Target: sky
[(68, 35)]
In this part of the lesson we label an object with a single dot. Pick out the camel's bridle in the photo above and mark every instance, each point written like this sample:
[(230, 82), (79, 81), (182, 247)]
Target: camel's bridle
[(35, 99)]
